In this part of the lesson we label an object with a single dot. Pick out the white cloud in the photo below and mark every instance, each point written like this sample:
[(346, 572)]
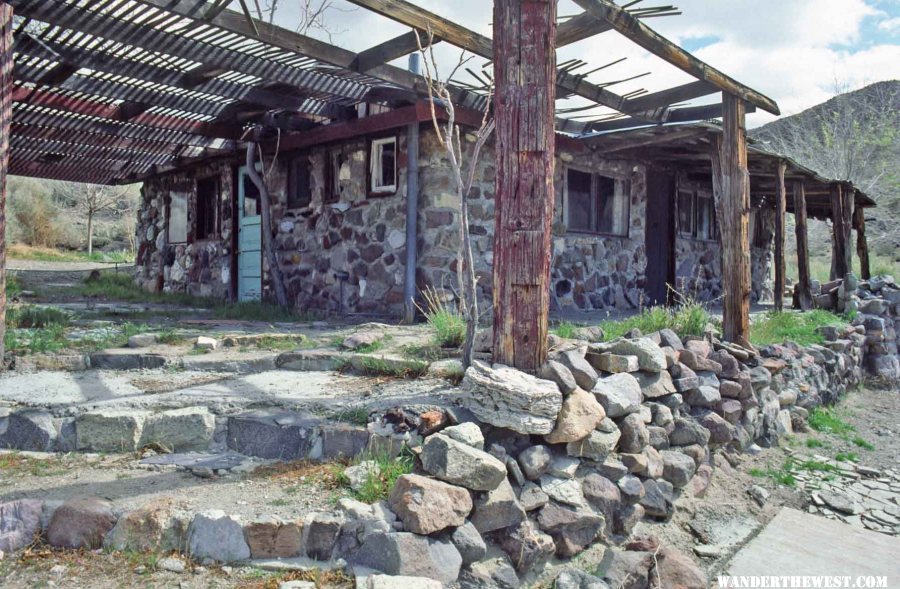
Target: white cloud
[(790, 50), (890, 25)]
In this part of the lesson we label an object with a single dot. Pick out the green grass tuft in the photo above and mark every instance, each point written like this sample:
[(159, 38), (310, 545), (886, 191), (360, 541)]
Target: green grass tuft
[(445, 320), (565, 330), (801, 328), (846, 457), (378, 484), (690, 318), (814, 443), (861, 443), (825, 420)]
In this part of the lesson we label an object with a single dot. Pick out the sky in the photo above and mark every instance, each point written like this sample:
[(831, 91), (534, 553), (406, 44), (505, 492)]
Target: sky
[(798, 52)]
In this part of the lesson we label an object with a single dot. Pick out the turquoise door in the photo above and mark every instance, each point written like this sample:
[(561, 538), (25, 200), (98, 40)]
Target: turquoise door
[(249, 239)]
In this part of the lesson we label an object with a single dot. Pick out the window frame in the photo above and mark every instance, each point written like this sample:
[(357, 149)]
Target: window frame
[(595, 198), (292, 187), (387, 189), (331, 192), (185, 197), (212, 232), (693, 232)]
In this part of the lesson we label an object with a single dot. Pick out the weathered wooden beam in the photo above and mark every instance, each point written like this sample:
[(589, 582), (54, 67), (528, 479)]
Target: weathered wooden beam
[(804, 286), (676, 115), (840, 232), (6, 87), (664, 98), (413, 16), (202, 79), (147, 37), (579, 27), (634, 29), (780, 207), (168, 127), (731, 187), (610, 144), (525, 77), (389, 50), (862, 245), (235, 22)]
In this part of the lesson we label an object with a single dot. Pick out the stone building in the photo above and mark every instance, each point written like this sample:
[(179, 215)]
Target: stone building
[(339, 217)]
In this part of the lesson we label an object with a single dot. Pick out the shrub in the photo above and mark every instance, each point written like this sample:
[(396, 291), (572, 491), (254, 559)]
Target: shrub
[(444, 318), (35, 218)]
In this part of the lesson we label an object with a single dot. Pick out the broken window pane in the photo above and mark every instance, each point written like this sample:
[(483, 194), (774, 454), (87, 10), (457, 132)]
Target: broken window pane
[(580, 216), (251, 197), (207, 221), (686, 214)]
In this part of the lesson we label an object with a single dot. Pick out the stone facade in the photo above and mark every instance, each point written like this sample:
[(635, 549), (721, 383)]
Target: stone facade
[(348, 256)]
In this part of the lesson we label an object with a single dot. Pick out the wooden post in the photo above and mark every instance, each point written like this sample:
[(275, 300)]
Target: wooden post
[(840, 233), (862, 245), (780, 207), (525, 78), (804, 288), (6, 86), (731, 185)]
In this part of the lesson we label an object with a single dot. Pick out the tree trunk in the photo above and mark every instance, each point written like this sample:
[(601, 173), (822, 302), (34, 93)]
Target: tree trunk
[(267, 238), (525, 77), (804, 288), (90, 232), (780, 206), (862, 245), (731, 185), (6, 81)]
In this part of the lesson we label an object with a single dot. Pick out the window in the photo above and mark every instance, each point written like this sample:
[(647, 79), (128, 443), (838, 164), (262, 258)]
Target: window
[(697, 216), (177, 227), (383, 166), (686, 214), (207, 222), (333, 162), (252, 200), (706, 218), (299, 194), (596, 204)]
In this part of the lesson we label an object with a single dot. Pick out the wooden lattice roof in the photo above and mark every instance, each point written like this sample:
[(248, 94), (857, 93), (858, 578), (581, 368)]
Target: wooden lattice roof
[(111, 91)]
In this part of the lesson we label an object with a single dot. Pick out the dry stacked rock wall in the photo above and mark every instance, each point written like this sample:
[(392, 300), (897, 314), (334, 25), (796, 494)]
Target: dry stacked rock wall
[(874, 305), (520, 472)]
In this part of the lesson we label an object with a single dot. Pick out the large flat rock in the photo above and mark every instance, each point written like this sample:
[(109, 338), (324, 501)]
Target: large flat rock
[(796, 543)]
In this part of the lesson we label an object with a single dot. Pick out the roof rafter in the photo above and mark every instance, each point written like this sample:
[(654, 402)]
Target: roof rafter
[(638, 32)]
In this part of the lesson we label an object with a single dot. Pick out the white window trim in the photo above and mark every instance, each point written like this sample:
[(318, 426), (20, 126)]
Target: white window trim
[(375, 166)]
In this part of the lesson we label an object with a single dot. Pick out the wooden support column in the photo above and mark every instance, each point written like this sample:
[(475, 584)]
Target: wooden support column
[(840, 234), (525, 77), (731, 185), (862, 245), (804, 288), (6, 86), (780, 207)]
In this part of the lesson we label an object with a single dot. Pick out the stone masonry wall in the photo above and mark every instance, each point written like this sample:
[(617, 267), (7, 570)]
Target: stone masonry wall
[(200, 267), (364, 236)]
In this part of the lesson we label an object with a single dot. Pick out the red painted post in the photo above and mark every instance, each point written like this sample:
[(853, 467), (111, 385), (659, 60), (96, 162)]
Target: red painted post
[(525, 77), (6, 80)]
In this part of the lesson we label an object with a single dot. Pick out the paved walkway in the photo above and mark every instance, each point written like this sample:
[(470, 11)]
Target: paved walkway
[(795, 543)]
